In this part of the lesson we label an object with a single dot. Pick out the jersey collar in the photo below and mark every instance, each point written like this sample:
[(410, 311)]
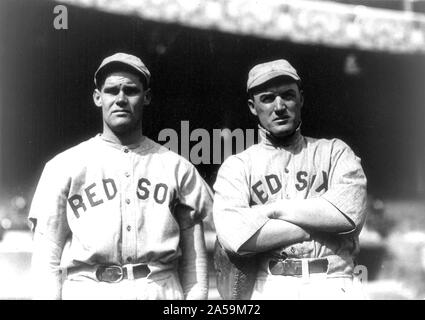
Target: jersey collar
[(266, 138), (142, 145)]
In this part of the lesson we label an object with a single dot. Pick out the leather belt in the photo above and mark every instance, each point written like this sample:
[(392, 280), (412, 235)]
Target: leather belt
[(294, 267), (113, 273)]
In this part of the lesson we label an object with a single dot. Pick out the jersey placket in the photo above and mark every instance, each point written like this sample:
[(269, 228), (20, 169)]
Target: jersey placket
[(289, 190), (300, 161), (282, 171), (129, 237), (286, 173)]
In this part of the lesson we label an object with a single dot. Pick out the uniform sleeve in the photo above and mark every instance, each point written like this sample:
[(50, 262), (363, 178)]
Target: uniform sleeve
[(235, 220), (48, 216), (195, 198), (48, 207), (347, 185)]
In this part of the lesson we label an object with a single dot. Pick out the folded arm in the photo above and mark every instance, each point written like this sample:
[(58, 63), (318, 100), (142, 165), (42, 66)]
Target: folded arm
[(315, 213), (341, 209), (275, 234), (242, 227)]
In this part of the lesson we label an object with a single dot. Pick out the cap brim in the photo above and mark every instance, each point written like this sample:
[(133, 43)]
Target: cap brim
[(271, 75), (111, 64)]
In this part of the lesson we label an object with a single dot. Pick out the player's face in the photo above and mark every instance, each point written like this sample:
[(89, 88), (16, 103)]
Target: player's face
[(278, 107), (122, 98)]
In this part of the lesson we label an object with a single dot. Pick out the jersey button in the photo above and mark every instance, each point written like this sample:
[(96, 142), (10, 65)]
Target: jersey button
[(128, 228), (126, 150), (127, 201), (127, 174)]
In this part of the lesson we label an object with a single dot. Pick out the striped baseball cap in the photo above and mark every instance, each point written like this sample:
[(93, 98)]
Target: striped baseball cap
[(127, 59), (264, 72)]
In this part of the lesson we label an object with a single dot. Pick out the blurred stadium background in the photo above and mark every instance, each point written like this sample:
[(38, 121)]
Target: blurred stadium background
[(363, 66)]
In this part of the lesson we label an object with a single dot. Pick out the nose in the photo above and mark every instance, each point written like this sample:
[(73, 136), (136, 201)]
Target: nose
[(121, 98), (279, 105)]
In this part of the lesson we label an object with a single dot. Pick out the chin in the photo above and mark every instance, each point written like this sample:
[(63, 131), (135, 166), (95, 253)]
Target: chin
[(123, 127), (282, 133)]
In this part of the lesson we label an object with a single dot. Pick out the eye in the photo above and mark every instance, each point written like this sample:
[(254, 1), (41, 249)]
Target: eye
[(267, 98), (288, 96), (111, 90), (131, 91)]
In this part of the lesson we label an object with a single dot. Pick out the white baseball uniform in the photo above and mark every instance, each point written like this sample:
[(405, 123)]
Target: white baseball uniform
[(104, 203), (304, 168)]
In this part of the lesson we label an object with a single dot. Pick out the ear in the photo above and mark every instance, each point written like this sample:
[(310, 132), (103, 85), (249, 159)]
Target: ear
[(251, 106), (97, 98), (147, 97)]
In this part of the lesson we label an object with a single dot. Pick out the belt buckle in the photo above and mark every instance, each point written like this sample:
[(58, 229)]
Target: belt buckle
[(285, 267), (109, 270), (276, 263)]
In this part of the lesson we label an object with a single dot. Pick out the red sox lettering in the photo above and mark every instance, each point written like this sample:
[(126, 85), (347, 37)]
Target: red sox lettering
[(273, 184), (97, 193)]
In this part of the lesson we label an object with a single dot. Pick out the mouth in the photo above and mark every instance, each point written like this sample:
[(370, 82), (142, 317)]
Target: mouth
[(282, 120), (122, 112)]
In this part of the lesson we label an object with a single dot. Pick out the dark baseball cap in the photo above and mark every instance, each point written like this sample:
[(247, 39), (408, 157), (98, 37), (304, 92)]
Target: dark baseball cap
[(127, 59), (264, 72)]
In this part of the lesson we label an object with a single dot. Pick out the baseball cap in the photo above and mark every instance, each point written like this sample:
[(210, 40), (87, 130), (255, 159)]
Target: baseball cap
[(264, 72), (127, 59)]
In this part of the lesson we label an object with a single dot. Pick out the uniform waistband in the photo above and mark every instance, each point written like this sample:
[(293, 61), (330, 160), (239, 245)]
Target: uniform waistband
[(297, 267), (109, 273)]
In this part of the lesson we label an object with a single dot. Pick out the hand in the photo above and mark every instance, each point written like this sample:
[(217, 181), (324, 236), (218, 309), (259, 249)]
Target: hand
[(274, 210)]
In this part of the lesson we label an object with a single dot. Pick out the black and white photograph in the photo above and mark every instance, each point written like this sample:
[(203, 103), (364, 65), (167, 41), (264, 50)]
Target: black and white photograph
[(237, 151)]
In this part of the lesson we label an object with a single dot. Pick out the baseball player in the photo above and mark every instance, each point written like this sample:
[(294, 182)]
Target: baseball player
[(119, 216), (297, 200)]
